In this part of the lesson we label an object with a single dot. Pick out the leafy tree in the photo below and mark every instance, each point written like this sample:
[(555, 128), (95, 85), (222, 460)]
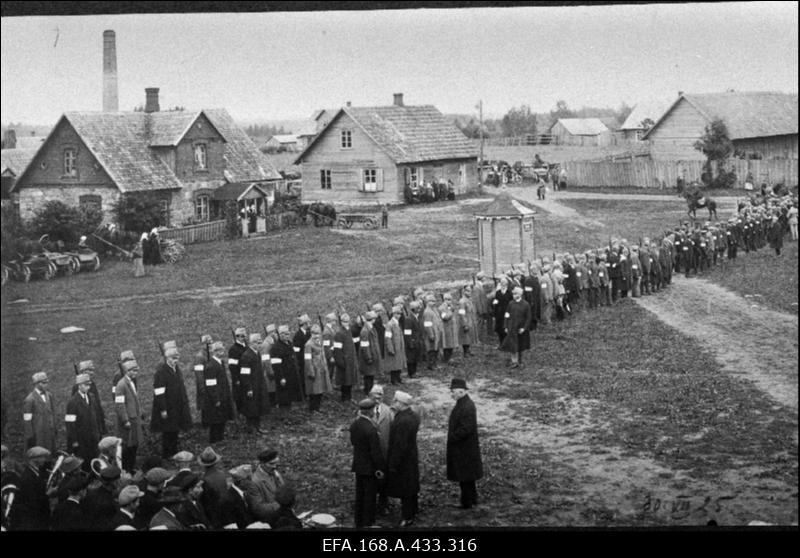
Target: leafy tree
[(623, 112), (63, 222), (518, 122), (647, 123), (561, 111), (716, 145), (139, 212)]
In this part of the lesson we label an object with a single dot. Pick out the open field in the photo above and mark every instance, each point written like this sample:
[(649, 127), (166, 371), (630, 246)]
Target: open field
[(618, 418)]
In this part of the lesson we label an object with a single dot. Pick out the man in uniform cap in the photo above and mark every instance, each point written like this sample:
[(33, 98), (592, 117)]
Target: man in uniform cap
[(317, 377), (413, 340), (39, 415), (369, 355), (129, 414), (201, 357), (267, 480), (124, 357), (128, 500), (345, 357), (32, 504), (234, 353), (394, 346), (216, 407), (171, 413), (270, 337), (464, 463), (403, 459), (101, 502), (253, 388), (69, 514), (284, 367), (87, 367), (368, 463), (83, 433), (301, 337)]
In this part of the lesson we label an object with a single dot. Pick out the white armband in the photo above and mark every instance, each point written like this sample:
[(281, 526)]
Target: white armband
[(160, 391), (198, 367), (211, 382), (365, 343), (276, 361), (119, 399), (245, 371), (27, 416), (307, 356), (406, 332), (428, 324), (337, 345), (70, 418), (233, 361)]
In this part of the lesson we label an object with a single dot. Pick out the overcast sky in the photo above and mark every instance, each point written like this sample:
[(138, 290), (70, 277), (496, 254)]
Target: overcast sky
[(286, 65)]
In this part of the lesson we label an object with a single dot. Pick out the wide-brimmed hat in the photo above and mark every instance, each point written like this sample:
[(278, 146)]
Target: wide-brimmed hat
[(458, 383), (208, 457)]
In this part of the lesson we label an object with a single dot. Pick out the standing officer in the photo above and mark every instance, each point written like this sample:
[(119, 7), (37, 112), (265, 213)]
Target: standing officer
[(464, 463), (345, 358), (234, 353), (201, 357), (368, 463), (369, 356), (129, 415), (83, 434), (284, 366), (87, 367), (403, 458), (39, 415), (216, 409), (254, 389), (412, 338), (171, 413)]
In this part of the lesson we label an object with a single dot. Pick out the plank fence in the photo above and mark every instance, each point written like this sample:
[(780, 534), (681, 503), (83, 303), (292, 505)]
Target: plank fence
[(203, 232), (648, 173)]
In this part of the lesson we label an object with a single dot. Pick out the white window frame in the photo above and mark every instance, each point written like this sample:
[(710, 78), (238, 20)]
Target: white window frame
[(202, 207), (346, 139), (325, 181), (372, 180), (70, 161), (200, 156)]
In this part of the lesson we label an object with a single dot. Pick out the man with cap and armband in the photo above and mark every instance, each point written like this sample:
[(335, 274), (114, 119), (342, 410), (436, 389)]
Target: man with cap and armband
[(39, 415), (328, 333), (464, 463), (403, 460), (80, 419), (517, 321), (301, 337), (345, 357), (284, 366), (368, 463), (69, 514), (432, 331), (171, 413), (201, 357), (317, 377), (129, 415), (124, 357), (449, 327), (128, 501), (369, 355), (480, 299), (394, 346), (216, 407), (87, 367), (234, 353), (413, 339), (267, 480), (271, 335), (253, 387)]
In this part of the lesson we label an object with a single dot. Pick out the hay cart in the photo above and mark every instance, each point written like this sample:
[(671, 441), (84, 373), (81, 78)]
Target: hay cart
[(369, 220)]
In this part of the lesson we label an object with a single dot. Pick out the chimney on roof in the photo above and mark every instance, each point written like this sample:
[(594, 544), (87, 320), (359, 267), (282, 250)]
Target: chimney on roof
[(348, 103), (10, 139), (680, 93), (110, 95), (151, 99), (398, 99)]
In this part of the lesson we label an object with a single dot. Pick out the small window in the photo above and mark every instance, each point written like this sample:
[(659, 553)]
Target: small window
[(370, 180), (412, 177), (347, 139), (200, 157), (70, 168), (325, 179), (201, 207), (91, 201)]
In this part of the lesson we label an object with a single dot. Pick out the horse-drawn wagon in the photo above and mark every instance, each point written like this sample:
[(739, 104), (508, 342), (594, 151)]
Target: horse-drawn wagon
[(368, 220)]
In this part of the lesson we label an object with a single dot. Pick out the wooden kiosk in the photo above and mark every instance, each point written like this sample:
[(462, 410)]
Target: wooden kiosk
[(505, 234)]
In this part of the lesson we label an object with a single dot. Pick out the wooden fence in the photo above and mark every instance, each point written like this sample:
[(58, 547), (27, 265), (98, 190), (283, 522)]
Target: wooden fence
[(644, 172), (204, 232)]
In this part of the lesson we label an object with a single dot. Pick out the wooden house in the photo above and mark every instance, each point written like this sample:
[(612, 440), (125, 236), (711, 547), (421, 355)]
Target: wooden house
[(282, 142), (580, 131), (763, 124), (368, 155), (180, 156)]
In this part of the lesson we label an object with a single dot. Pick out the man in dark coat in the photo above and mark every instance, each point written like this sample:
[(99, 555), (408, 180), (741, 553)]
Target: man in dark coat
[(171, 413), (775, 235), (531, 290), (234, 354), (128, 501), (83, 433), (517, 323), (284, 367), (87, 367), (368, 463), (369, 354), (235, 508), (100, 504), (502, 297), (464, 463), (345, 358), (215, 406), (301, 337), (32, 505), (403, 459), (215, 486), (201, 357), (253, 385), (150, 504), (68, 514), (413, 338)]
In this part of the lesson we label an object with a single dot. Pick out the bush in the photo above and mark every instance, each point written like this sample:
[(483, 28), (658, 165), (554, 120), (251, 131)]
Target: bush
[(724, 179), (139, 212), (232, 227), (11, 232), (64, 223)]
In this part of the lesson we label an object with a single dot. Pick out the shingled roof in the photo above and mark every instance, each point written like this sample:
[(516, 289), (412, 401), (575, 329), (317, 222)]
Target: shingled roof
[(122, 143), (747, 114), (408, 134), (505, 205), (16, 160)]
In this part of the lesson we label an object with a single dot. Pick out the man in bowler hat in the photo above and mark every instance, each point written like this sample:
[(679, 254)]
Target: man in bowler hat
[(463, 450)]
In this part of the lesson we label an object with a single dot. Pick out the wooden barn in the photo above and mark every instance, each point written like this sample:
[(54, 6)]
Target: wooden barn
[(580, 131), (763, 124), (282, 142), (368, 155), (92, 158)]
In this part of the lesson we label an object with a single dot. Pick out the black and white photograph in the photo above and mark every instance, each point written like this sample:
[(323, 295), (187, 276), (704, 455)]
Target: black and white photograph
[(399, 274)]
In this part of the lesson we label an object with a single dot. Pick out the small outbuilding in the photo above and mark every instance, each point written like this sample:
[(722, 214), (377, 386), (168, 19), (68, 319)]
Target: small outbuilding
[(252, 199), (505, 233)]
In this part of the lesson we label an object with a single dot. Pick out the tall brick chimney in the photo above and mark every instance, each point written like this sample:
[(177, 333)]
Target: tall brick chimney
[(398, 99), (151, 99), (110, 95), (10, 139)]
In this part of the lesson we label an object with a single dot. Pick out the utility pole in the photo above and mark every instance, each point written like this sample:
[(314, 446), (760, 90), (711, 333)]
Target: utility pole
[(480, 131)]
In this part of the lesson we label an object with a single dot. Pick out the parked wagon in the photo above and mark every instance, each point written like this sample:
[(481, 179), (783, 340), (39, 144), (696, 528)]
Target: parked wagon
[(369, 220)]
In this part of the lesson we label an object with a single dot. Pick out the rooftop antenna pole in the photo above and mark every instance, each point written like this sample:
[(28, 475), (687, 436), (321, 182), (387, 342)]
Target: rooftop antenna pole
[(480, 156)]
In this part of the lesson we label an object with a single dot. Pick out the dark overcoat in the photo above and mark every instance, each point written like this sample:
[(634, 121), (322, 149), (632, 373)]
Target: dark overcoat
[(251, 377), (169, 394), (345, 357), (284, 367), (216, 403), (83, 434), (367, 454), (369, 353), (31, 508), (403, 459), (463, 449), (499, 303), (234, 354), (517, 316), (97, 406), (68, 515), (413, 338)]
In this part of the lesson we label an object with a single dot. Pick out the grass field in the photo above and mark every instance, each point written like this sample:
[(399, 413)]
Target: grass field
[(613, 409)]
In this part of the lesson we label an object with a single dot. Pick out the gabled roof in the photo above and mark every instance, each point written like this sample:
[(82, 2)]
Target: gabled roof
[(642, 111), (408, 134), (320, 112), (284, 138), (122, 143), (16, 160), (505, 205), (747, 114), (236, 190), (583, 126)]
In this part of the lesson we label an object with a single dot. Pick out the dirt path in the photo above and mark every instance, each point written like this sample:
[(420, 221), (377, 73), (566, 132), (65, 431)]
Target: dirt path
[(746, 339)]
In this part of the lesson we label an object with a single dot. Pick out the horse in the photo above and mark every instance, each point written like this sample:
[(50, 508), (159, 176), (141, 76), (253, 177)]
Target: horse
[(694, 203)]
